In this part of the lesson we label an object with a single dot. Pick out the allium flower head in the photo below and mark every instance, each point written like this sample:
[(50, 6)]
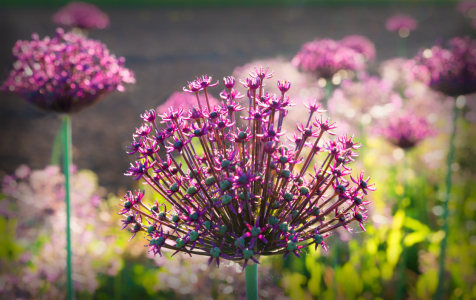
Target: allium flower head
[(65, 73), (466, 6), (400, 21), (243, 191), (361, 44), (81, 15), (325, 57), (406, 131), (453, 70)]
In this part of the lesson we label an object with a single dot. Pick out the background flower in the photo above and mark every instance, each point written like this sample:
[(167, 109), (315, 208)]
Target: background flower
[(65, 73), (81, 15)]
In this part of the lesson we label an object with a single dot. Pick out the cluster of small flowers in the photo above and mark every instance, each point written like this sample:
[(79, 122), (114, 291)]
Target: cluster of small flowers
[(35, 199), (81, 15), (361, 44), (325, 57), (466, 6), (243, 192), (400, 21), (305, 85), (65, 73), (453, 70), (406, 131)]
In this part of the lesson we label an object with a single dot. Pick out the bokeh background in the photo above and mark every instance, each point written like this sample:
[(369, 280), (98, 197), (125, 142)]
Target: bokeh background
[(167, 44)]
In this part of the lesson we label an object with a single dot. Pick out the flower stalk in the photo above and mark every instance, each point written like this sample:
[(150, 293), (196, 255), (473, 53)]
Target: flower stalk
[(67, 163), (441, 272), (251, 276)]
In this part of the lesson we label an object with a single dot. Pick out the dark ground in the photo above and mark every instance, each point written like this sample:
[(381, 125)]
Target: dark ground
[(165, 48)]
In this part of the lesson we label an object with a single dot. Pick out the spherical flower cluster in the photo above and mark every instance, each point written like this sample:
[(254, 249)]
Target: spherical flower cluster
[(453, 70), (243, 190), (65, 73), (466, 6), (81, 15), (361, 44), (35, 199), (182, 99), (406, 131), (400, 21), (325, 57)]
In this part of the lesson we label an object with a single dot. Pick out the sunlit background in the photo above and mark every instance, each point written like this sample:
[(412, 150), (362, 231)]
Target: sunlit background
[(167, 44)]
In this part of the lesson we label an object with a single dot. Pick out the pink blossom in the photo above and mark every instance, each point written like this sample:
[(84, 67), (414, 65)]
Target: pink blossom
[(65, 73), (399, 21), (81, 15)]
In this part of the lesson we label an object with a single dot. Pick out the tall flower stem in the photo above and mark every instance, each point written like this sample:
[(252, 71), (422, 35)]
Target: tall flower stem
[(328, 92), (67, 145), (57, 147), (402, 47), (440, 289), (251, 278)]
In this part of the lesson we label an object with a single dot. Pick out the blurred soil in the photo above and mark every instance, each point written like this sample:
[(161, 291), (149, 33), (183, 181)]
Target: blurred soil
[(167, 47)]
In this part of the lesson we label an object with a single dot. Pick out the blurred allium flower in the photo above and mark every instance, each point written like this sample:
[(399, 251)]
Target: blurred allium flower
[(243, 191), (466, 6), (325, 57), (81, 15), (359, 102), (399, 22), (361, 44), (36, 201), (66, 73), (406, 131), (453, 70), (182, 99)]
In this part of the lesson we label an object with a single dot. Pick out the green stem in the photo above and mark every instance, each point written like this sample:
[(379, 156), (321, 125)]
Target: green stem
[(67, 145), (57, 147), (328, 92), (251, 278), (441, 274), (401, 47)]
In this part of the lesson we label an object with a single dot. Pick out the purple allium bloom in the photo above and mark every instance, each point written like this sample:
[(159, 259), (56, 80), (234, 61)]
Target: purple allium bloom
[(243, 191), (81, 15), (466, 6), (361, 44), (451, 71), (406, 131), (184, 100), (65, 73), (325, 57), (400, 21)]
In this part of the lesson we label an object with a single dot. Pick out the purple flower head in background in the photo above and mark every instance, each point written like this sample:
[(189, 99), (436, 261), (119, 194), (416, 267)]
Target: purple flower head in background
[(325, 57), (466, 7), (81, 15), (451, 71), (243, 191), (184, 100), (361, 44), (65, 73), (401, 21), (406, 130)]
